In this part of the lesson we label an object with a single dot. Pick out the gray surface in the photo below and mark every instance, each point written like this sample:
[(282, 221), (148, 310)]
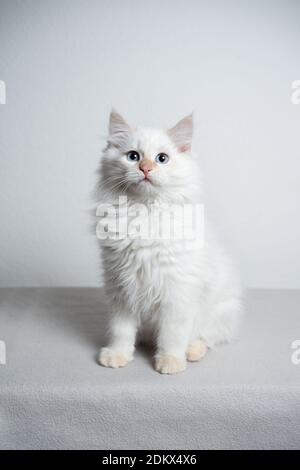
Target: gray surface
[(53, 394)]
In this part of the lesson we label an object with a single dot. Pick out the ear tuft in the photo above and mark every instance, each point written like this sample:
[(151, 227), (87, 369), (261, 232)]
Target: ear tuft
[(117, 123), (119, 130), (182, 134)]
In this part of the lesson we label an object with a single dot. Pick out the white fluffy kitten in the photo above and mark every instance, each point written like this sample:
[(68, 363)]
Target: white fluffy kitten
[(183, 296)]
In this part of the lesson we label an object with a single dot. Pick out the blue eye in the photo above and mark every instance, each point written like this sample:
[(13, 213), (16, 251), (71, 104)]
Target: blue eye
[(162, 158), (133, 156)]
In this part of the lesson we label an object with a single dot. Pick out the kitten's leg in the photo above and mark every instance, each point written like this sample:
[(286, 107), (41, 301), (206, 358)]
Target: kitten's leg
[(121, 345), (172, 341), (196, 350)]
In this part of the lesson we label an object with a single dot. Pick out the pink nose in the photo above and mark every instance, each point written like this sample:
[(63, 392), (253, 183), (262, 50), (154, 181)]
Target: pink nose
[(145, 170)]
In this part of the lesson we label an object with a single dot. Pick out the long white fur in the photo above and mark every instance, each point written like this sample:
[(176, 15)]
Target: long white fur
[(168, 290)]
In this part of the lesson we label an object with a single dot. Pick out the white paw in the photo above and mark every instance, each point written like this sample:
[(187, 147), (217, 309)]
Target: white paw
[(196, 350), (110, 358), (169, 364)]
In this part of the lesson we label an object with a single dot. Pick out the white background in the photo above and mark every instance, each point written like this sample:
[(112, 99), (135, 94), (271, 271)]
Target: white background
[(66, 62)]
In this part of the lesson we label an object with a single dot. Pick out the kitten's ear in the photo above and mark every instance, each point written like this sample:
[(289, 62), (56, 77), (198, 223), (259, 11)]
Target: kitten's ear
[(119, 129), (182, 134)]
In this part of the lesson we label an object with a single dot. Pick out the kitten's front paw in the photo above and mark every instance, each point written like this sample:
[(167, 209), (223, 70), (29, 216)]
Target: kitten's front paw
[(110, 358), (169, 364), (196, 350)]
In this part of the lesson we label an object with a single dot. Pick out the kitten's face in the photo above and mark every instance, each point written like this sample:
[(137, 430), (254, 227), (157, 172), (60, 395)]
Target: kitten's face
[(147, 162)]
